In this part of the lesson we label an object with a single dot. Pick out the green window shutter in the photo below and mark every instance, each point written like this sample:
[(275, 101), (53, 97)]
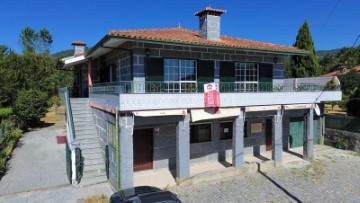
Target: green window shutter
[(205, 71), (227, 71), (265, 77), (154, 69)]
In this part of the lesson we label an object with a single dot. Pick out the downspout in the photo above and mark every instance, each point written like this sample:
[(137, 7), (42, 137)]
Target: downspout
[(117, 150), (131, 61)]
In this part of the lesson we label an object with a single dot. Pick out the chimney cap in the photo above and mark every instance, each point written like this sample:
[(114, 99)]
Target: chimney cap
[(211, 11), (78, 43)]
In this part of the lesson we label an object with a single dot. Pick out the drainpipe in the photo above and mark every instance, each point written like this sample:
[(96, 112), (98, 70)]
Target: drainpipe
[(117, 150)]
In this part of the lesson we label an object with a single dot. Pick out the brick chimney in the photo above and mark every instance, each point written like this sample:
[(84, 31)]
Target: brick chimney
[(79, 47), (210, 23)]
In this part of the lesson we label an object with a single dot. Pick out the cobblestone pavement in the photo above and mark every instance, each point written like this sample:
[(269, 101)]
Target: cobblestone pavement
[(333, 176)]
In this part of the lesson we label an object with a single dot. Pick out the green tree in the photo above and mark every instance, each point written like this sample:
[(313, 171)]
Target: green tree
[(304, 66), (353, 105), (37, 42), (349, 81), (29, 107)]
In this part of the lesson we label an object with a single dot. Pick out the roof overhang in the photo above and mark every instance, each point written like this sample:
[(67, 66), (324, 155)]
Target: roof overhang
[(68, 62), (102, 47)]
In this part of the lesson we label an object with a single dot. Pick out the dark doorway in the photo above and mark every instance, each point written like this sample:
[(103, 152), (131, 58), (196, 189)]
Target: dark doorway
[(143, 149), (268, 134)]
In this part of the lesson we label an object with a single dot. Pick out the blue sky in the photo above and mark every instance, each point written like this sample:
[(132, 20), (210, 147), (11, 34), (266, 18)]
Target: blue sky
[(275, 21)]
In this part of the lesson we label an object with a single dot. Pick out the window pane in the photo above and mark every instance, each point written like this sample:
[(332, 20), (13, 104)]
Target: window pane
[(226, 131), (200, 133)]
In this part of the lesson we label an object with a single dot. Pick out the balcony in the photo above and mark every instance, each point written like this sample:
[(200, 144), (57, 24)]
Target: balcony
[(141, 95)]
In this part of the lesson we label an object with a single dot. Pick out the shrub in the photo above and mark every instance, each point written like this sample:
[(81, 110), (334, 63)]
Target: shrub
[(331, 85), (353, 105), (29, 107), (5, 113), (54, 100)]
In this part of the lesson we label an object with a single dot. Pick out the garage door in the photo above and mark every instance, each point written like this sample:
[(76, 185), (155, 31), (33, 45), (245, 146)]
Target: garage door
[(297, 130)]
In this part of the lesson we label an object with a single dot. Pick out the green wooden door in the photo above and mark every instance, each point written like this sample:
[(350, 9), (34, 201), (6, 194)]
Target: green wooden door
[(297, 131)]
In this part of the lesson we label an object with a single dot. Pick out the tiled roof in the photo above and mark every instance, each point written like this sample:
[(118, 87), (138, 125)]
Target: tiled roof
[(185, 36), (210, 10), (79, 43), (343, 72)]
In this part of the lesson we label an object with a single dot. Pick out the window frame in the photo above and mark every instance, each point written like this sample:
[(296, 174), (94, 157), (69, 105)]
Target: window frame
[(222, 137), (191, 133), (112, 134), (246, 85), (180, 85)]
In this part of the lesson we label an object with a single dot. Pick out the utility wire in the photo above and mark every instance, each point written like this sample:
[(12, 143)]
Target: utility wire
[(356, 41), (328, 17)]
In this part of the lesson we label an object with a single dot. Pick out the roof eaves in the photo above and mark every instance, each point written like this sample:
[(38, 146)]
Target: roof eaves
[(300, 52), (97, 45)]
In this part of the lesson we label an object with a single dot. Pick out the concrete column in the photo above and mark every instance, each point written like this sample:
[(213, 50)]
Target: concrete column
[(277, 137), (308, 137), (126, 154), (183, 148), (90, 72), (238, 141)]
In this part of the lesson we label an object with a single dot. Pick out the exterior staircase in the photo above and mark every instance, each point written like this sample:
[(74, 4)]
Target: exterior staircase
[(86, 133)]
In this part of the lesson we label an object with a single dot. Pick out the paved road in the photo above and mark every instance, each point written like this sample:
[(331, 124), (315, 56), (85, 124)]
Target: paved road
[(38, 162), (334, 176)]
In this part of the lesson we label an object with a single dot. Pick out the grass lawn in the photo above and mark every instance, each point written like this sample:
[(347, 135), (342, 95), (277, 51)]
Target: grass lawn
[(54, 115)]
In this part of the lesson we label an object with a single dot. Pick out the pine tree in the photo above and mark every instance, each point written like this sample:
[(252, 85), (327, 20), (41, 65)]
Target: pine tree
[(304, 66)]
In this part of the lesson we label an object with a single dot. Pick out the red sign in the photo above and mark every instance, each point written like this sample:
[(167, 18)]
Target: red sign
[(211, 95)]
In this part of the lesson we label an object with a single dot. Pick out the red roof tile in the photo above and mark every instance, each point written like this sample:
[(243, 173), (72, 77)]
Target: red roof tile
[(210, 10), (343, 72), (79, 43), (185, 36)]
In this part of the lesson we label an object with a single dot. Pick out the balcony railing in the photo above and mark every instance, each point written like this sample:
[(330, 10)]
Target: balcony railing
[(287, 85)]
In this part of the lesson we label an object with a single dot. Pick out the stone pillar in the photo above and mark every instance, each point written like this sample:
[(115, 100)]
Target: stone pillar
[(277, 137), (126, 154), (90, 72), (238, 141), (308, 137), (183, 148)]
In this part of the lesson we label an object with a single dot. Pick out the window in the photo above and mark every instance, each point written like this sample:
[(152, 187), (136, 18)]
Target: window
[(180, 75), (226, 130), (246, 75), (200, 133), (111, 128)]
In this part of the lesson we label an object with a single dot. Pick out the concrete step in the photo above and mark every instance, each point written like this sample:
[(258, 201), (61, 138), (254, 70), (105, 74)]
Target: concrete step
[(83, 119), (89, 145), (83, 115), (85, 131), (85, 152), (89, 162), (92, 180), (79, 100), (85, 141), (82, 111), (91, 136), (93, 156), (83, 127), (96, 168)]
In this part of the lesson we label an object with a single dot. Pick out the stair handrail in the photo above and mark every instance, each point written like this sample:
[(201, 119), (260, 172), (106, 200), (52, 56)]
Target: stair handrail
[(70, 132), (68, 113)]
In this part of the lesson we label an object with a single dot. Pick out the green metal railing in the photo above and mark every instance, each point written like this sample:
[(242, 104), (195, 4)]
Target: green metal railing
[(198, 87), (345, 123), (70, 135)]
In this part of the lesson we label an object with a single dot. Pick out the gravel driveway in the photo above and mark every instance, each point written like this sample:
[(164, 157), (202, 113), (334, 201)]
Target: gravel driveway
[(334, 176)]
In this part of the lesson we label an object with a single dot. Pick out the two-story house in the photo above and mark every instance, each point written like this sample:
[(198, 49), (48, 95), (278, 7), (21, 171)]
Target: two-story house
[(145, 92)]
